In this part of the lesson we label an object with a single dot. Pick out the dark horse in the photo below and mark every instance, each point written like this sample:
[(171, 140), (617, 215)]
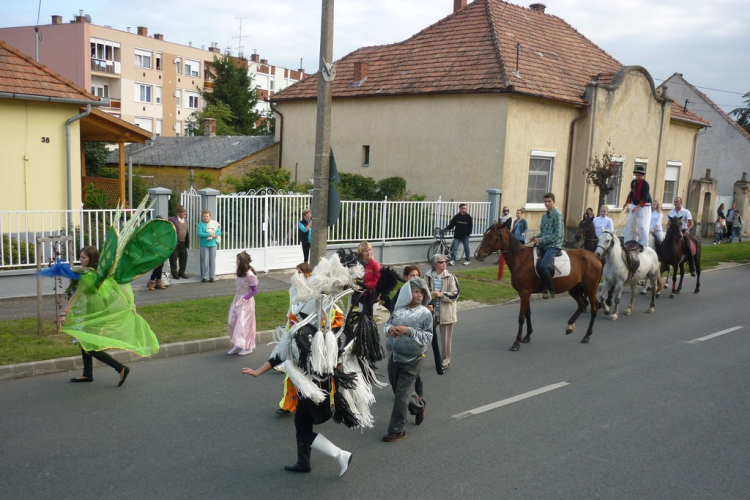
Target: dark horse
[(581, 283), (673, 255), (587, 232)]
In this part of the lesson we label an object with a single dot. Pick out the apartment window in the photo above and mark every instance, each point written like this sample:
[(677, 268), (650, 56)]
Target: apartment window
[(192, 68), (158, 61), (671, 177), (365, 156), (192, 99), (143, 58), (613, 197), (273, 82), (143, 92), (158, 127), (157, 96), (145, 123), (178, 129), (540, 176), (178, 65), (100, 90), (178, 97)]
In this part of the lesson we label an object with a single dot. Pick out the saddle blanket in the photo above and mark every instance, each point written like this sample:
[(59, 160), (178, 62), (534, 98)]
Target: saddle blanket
[(561, 264)]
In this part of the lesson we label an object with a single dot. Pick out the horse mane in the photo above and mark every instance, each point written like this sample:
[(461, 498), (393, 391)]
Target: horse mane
[(514, 243)]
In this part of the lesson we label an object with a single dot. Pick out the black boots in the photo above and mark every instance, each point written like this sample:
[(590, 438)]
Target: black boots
[(303, 458), (548, 288)]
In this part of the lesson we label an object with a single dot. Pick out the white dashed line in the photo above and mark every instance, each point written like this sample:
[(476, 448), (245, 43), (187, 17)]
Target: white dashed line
[(508, 401), (715, 334)]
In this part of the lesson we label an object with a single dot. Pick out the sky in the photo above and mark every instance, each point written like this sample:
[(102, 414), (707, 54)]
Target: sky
[(705, 40)]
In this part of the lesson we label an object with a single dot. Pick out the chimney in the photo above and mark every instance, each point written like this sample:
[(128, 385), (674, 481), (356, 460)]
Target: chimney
[(56, 19), (360, 71), (158, 36), (458, 5), (255, 58), (215, 50), (209, 127), (538, 7), (80, 19), (264, 61), (142, 30)]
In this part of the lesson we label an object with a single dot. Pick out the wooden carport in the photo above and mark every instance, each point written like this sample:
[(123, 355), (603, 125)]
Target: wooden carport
[(103, 127)]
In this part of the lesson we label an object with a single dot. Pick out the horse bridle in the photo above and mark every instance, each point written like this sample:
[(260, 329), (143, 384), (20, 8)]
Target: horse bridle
[(611, 243), (497, 237)]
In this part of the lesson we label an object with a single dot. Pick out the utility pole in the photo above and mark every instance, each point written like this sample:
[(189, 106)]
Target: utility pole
[(318, 243)]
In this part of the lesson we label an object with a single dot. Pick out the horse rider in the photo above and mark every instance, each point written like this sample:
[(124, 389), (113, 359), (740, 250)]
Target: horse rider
[(639, 199), (603, 222), (686, 222), (550, 240)]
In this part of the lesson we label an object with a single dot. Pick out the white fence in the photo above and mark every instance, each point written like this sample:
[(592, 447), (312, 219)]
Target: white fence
[(19, 231)]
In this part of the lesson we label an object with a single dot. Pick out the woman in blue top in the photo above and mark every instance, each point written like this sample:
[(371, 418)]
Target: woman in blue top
[(209, 233), (304, 230), (520, 226)]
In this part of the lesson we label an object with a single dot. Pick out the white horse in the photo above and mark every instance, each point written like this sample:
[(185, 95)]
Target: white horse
[(616, 272)]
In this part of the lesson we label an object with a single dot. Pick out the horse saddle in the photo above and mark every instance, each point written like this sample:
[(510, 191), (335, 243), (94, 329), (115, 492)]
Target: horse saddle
[(631, 256), (560, 266), (690, 246)]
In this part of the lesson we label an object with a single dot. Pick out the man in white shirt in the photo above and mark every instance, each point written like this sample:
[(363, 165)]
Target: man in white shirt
[(686, 221), (603, 222)]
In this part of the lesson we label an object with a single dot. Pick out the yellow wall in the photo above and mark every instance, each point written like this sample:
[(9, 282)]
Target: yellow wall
[(32, 172)]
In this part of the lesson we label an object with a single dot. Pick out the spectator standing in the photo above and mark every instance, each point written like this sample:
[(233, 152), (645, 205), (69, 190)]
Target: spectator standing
[(183, 242), (732, 219), (719, 226), (736, 226), (370, 278), (639, 199), (550, 240), (589, 213), (506, 220), (242, 312), (603, 222), (209, 234), (520, 226), (462, 226), (444, 288), (304, 231)]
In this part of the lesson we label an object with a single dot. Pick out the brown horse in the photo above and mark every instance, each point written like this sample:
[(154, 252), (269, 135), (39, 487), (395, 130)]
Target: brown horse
[(673, 255), (581, 283), (587, 233)]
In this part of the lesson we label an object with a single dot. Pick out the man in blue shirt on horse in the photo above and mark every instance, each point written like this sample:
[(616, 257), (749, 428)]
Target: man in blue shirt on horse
[(550, 239)]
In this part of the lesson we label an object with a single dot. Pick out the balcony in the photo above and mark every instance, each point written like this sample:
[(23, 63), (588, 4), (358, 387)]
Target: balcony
[(208, 84), (106, 67)]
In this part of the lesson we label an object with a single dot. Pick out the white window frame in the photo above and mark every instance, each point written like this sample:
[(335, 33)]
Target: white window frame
[(178, 98), (178, 65), (139, 90), (158, 129), (189, 71), (159, 61), (100, 89), (143, 57), (149, 128), (157, 95), (612, 200), (192, 96), (671, 174), (537, 154)]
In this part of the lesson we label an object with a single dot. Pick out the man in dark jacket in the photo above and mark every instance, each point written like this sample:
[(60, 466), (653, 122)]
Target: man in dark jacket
[(462, 225), (183, 241)]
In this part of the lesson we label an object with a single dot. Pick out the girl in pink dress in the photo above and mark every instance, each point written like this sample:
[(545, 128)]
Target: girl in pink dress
[(242, 311)]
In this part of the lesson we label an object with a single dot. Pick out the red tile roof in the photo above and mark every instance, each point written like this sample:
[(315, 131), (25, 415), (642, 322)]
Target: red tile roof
[(474, 50), (19, 74), (678, 113)]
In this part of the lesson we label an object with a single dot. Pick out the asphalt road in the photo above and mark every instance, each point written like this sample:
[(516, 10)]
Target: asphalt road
[(644, 415)]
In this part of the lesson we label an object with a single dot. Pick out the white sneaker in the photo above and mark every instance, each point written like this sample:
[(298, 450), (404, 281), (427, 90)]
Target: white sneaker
[(451, 262), (234, 350), (466, 262), (245, 352)]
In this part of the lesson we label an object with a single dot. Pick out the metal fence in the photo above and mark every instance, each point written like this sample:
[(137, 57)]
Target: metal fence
[(19, 231)]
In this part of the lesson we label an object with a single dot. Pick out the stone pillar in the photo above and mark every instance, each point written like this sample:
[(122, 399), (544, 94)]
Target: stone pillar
[(495, 197), (742, 199), (702, 201), (161, 195), (208, 200)]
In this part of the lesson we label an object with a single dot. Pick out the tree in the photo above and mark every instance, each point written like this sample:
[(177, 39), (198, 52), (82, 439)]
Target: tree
[(263, 177), (603, 174), (742, 115), (96, 158), (220, 112), (232, 87)]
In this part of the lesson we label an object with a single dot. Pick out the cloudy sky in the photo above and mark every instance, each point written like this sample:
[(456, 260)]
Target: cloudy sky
[(705, 40)]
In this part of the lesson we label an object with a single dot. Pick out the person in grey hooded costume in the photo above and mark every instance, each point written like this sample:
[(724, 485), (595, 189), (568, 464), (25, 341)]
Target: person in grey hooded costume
[(408, 332)]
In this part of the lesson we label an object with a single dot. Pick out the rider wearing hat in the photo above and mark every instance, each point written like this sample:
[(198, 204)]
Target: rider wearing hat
[(639, 199)]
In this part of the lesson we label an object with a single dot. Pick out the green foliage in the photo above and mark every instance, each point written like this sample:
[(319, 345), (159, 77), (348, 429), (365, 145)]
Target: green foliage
[(392, 187), (358, 187), (11, 249), (221, 112), (95, 198), (205, 179), (603, 174), (742, 115), (267, 124), (263, 177), (232, 88), (96, 158)]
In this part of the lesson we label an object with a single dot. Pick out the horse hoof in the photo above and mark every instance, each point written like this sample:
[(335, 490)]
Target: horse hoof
[(676, 291), (642, 292), (650, 310), (696, 291), (585, 340), (570, 329), (515, 347), (628, 312), (614, 317), (526, 340), (671, 295)]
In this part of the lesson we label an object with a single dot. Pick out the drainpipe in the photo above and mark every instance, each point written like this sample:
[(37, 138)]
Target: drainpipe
[(130, 170), (68, 160), (281, 131), (569, 166)]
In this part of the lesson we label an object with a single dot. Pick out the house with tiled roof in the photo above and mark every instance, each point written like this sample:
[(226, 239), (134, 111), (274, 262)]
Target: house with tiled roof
[(179, 163), (46, 119), (494, 95)]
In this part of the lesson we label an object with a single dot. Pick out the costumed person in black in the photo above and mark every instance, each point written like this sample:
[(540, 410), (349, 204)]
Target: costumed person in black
[(463, 225), (310, 355), (304, 232)]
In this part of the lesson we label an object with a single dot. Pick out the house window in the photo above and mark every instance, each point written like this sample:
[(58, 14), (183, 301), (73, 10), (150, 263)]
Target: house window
[(178, 65), (365, 156), (143, 58), (145, 123), (671, 177), (100, 90), (178, 97), (192, 68), (613, 197), (158, 127), (192, 99), (158, 61), (540, 176), (158, 95), (178, 129), (143, 92), (273, 82)]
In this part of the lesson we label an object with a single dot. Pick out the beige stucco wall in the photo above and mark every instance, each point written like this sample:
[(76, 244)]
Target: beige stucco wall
[(449, 146), (680, 148), (32, 171)]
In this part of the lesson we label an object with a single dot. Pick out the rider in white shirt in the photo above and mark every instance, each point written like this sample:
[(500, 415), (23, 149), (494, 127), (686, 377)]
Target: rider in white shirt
[(656, 227), (602, 222), (686, 220)]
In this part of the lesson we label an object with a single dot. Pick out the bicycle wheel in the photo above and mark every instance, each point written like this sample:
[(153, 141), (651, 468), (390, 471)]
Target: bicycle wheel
[(436, 247)]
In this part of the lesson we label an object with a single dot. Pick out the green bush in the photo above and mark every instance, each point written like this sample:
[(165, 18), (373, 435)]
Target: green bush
[(392, 187), (95, 198), (12, 247)]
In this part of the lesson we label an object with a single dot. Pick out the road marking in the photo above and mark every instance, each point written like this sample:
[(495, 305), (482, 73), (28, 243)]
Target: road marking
[(715, 334), (508, 401)]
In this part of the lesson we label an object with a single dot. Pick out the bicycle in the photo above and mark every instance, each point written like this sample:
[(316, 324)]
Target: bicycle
[(440, 245)]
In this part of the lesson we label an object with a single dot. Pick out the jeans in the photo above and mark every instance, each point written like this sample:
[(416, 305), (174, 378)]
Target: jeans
[(736, 231), (208, 262), (544, 265), (454, 248)]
